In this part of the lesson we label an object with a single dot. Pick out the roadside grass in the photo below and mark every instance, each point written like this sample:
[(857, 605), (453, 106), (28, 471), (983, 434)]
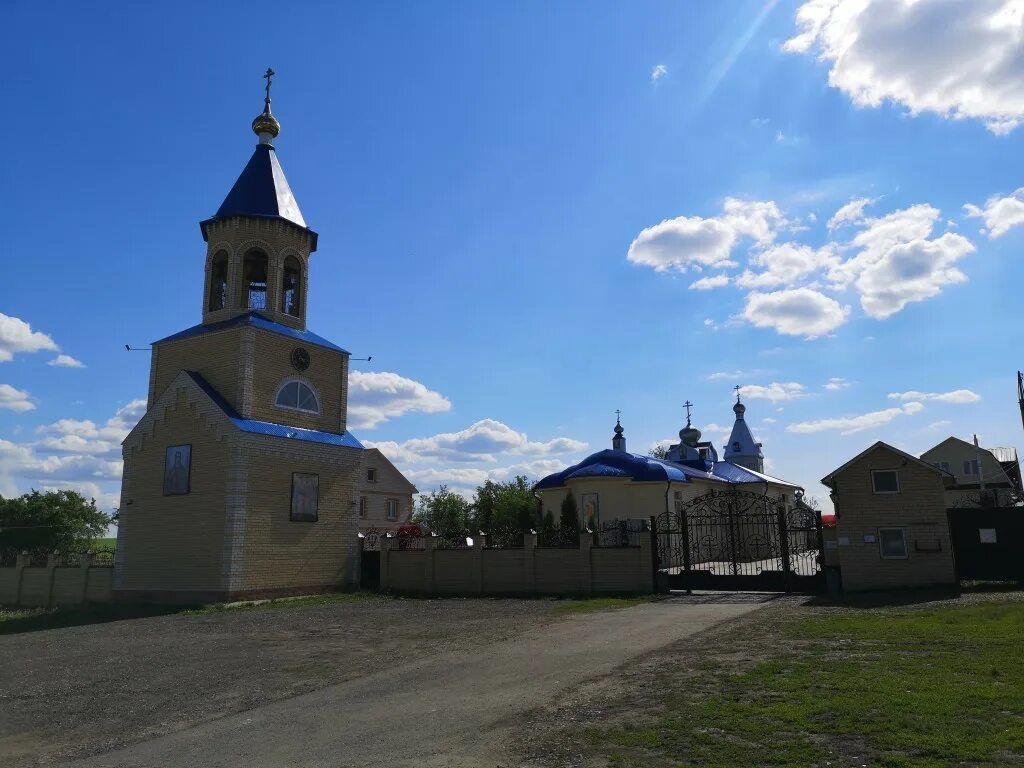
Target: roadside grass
[(904, 688), (19, 620), (593, 604)]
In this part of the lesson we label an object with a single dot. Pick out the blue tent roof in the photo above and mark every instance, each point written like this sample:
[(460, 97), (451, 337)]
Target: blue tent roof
[(262, 190), (256, 320), (346, 439), (612, 463)]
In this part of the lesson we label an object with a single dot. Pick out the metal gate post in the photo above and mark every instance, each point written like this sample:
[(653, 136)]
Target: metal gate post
[(787, 567), (685, 529), (732, 534), (821, 545), (655, 563)]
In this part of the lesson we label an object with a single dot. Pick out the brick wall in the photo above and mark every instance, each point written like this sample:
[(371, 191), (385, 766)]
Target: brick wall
[(588, 570)]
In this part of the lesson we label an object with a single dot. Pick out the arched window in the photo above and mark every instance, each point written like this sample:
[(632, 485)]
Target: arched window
[(297, 396), (218, 282), (291, 284), (254, 269)]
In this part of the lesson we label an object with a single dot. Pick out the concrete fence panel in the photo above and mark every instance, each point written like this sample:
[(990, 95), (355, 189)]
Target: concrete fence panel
[(55, 585)]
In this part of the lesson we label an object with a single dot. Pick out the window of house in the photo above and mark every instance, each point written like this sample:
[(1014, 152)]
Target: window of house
[(254, 269), (371, 475), (392, 507), (218, 282), (291, 282), (297, 396), (971, 467), (885, 481), (362, 507), (892, 542), (944, 466)]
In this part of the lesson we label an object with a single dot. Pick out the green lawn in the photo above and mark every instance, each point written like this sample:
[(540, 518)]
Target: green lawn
[(592, 604), (901, 687)]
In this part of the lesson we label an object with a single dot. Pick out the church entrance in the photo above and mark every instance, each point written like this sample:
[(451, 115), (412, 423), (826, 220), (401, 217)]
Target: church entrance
[(736, 539)]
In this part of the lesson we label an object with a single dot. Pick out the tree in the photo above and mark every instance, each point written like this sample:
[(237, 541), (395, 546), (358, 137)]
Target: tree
[(444, 512), (570, 519), (55, 521), (509, 505), (658, 452)]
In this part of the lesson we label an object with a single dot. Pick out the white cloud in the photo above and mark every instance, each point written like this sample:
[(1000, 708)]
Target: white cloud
[(851, 213), (958, 396), (16, 400), (709, 323), (725, 375), (775, 392), (66, 361), (940, 424), (376, 397), (482, 441), (848, 425), (659, 71), (795, 312), (1000, 213), (768, 420), (689, 242), (17, 336), (786, 263), (955, 58), (897, 264), (836, 383), (707, 283)]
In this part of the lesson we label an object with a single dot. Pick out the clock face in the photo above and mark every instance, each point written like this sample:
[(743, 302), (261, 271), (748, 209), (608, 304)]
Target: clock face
[(300, 359)]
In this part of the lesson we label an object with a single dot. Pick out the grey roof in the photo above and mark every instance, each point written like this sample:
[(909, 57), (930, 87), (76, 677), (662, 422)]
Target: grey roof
[(256, 320)]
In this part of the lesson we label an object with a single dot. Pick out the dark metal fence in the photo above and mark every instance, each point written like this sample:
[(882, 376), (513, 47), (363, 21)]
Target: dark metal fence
[(620, 533), (558, 538), (505, 538)]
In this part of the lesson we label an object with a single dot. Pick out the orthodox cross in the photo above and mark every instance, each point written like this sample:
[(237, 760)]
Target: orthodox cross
[(617, 414), (737, 388), (269, 74), (687, 405)]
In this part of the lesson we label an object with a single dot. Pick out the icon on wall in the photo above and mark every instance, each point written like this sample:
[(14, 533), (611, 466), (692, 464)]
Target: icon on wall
[(177, 467), (591, 513), (305, 497)]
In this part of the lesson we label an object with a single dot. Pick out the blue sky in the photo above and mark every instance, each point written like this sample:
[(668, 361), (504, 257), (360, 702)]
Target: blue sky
[(515, 205)]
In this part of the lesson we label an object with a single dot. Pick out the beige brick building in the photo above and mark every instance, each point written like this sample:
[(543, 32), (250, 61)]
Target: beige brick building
[(891, 530), (385, 494), (240, 480)]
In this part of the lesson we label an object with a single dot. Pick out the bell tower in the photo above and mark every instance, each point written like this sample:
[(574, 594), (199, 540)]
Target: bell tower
[(239, 481), (258, 244)]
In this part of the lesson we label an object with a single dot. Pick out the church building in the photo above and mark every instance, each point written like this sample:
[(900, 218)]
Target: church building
[(240, 480), (617, 485)]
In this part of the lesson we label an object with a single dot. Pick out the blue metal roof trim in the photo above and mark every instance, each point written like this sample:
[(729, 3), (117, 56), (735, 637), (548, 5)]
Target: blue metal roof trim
[(262, 190), (346, 439), (256, 320)]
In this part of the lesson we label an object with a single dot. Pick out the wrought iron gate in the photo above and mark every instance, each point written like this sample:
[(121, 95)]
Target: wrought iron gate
[(735, 539)]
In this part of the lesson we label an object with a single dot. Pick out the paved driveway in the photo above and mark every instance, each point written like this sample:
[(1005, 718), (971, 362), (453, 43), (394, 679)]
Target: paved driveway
[(452, 708)]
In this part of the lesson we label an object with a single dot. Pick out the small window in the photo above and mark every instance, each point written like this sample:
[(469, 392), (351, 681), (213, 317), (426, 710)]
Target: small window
[(893, 543), (736, 447), (392, 509), (371, 475), (885, 481), (362, 507), (297, 396), (971, 467), (944, 466)]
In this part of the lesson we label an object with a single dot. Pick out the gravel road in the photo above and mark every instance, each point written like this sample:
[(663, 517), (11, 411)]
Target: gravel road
[(67, 693)]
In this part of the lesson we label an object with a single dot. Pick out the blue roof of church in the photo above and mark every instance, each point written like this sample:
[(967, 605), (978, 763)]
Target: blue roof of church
[(256, 320), (262, 190), (346, 439), (612, 463)]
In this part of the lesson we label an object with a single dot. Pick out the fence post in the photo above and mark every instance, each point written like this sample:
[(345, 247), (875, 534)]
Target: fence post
[(385, 562), (479, 545), (654, 553), (428, 563), (84, 564), (530, 554), (20, 563), (51, 568), (684, 525), (586, 553), (787, 568)]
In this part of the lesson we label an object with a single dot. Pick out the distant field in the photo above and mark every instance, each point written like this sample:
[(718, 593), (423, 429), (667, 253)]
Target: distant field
[(104, 545)]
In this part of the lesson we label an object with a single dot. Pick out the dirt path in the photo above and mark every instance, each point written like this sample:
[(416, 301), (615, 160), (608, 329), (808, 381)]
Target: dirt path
[(450, 709)]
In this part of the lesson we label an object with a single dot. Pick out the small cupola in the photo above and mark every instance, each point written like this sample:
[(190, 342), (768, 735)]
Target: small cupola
[(742, 449), (618, 440)]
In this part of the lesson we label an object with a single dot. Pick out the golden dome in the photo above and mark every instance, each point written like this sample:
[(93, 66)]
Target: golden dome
[(266, 123)]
